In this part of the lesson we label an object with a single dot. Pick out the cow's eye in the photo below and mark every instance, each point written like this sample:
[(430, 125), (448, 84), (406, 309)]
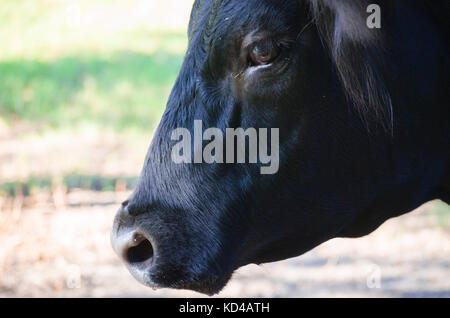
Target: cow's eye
[(264, 53)]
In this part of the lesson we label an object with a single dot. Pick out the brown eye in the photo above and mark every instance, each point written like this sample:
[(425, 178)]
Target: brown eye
[(264, 53)]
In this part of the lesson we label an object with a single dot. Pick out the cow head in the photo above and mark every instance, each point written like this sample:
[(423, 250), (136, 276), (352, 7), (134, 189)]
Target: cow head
[(307, 68)]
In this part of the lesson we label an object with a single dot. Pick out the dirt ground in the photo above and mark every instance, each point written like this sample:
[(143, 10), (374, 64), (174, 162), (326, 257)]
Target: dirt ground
[(66, 253)]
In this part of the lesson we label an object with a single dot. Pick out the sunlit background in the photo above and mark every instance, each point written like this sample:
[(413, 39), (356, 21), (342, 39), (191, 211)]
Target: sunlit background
[(82, 87)]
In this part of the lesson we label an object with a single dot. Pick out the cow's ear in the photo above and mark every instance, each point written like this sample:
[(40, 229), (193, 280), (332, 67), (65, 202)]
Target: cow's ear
[(358, 54)]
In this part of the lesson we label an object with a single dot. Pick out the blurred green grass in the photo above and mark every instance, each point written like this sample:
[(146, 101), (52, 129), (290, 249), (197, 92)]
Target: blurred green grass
[(71, 181), (108, 64), (123, 90), (441, 213)]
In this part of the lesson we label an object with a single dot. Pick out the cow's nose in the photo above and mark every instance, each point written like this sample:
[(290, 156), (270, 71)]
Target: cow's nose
[(135, 250), (132, 245)]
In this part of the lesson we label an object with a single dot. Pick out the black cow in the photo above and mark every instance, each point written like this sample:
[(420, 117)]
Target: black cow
[(363, 118)]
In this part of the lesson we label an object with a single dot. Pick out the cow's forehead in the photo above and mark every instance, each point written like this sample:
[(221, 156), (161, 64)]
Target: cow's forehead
[(204, 18), (212, 19)]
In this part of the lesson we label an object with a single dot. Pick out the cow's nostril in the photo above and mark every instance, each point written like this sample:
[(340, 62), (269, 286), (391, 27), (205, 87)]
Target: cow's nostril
[(141, 253)]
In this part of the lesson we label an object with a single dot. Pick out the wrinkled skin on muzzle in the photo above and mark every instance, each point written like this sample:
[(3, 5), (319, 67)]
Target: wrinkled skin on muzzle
[(190, 225)]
